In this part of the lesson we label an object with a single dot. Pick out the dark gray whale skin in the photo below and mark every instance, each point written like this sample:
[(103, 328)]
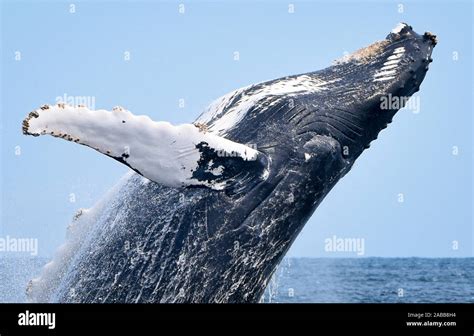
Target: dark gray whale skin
[(163, 244)]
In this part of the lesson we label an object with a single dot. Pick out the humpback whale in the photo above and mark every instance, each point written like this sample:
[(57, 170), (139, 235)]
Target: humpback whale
[(213, 206)]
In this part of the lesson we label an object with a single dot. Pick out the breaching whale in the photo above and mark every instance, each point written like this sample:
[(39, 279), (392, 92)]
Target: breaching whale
[(214, 205)]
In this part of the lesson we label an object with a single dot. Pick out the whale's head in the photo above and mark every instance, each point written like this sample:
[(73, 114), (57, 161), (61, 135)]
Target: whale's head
[(365, 89), (401, 62), (318, 120)]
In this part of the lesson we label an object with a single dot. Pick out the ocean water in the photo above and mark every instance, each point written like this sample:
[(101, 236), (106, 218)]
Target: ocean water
[(373, 280), (300, 280)]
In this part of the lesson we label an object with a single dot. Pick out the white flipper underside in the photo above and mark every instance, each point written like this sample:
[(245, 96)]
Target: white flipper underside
[(159, 151)]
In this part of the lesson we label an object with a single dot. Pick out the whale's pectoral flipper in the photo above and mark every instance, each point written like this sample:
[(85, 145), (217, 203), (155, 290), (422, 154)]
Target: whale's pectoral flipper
[(183, 155)]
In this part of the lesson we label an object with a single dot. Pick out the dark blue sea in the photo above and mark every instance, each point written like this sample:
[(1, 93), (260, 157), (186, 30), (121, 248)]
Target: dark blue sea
[(323, 280)]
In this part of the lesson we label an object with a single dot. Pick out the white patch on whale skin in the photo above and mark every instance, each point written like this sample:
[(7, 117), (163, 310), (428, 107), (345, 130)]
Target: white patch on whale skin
[(216, 171), (395, 56), (383, 79), (397, 53), (159, 151), (235, 111), (398, 28), (389, 67), (399, 50), (384, 73), (392, 62)]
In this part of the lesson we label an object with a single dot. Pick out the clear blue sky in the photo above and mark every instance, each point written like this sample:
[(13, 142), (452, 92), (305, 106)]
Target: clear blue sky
[(190, 56)]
